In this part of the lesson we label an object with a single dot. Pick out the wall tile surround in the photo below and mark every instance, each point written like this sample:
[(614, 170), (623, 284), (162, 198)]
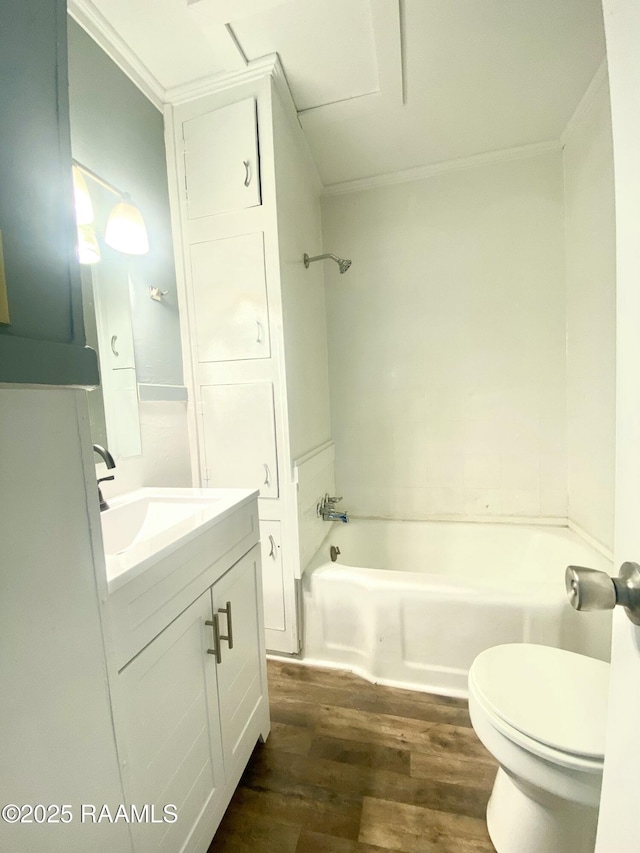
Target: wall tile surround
[(591, 318), (447, 343)]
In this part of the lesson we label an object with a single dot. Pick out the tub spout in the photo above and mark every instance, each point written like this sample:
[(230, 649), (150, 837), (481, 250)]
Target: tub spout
[(332, 515), (327, 510)]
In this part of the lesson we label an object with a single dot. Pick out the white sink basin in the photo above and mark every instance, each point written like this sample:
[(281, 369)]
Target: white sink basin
[(140, 528)]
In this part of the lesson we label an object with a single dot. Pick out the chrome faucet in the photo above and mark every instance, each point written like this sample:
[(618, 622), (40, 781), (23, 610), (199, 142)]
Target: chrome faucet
[(109, 461), (326, 508)]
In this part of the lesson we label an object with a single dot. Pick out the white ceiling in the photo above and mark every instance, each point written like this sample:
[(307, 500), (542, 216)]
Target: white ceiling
[(381, 85)]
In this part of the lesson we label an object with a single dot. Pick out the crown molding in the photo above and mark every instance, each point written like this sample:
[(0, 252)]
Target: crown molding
[(255, 70), (418, 173), (599, 79), (96, 25)]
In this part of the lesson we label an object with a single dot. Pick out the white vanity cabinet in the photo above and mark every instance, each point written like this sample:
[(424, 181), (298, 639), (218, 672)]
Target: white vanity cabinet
[(191, 703), (221, 160)]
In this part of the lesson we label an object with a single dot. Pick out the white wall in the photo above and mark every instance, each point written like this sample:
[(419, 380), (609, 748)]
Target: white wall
[(165, 459), (591, 307), (303, 298), (447, 343), (56, 731)]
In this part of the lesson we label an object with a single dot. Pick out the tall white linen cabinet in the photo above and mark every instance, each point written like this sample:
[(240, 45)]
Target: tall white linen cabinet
[(245, 206)]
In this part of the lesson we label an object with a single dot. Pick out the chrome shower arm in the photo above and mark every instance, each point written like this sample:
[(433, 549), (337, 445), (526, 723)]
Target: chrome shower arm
[(308, 260), (343, 263)]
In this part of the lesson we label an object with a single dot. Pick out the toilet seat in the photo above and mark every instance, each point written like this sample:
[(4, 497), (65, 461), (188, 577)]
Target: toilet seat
[(536, 696)]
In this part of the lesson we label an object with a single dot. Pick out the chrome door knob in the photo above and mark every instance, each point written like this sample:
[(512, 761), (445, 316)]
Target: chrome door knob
[(589, 589)]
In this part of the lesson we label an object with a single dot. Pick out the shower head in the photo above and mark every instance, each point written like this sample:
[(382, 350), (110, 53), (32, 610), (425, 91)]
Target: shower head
[(343, 263)]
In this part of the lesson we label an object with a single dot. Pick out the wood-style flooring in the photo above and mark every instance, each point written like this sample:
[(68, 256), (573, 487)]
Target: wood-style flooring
[(353, 767)]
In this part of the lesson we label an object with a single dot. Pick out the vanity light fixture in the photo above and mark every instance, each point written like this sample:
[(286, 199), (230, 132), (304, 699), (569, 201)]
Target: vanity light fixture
[(125, 230)]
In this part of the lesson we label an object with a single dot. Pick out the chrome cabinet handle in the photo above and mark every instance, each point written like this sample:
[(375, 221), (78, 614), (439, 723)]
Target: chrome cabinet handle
[(229, 635), (267, 475), (259, 338), (114, 338), (272, 552), (217, 651), (247, 173)]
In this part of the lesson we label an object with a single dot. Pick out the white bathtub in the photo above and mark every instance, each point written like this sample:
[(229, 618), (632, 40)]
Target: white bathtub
[(412, 603)]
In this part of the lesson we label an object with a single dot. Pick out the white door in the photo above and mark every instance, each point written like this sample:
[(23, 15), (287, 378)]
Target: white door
[(272, 582), (619, 824), (221, 160), (230, 298), (235, 601), (168, 718), (239, 437)]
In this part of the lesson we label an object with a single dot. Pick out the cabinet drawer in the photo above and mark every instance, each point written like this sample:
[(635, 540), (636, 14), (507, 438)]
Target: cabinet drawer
[(142, 608)]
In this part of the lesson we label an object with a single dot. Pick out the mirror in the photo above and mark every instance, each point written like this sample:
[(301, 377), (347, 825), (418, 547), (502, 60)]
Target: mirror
[(106, 303)]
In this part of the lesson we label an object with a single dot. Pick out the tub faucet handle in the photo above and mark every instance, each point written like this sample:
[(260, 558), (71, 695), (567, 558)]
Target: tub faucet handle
[(333, 501)]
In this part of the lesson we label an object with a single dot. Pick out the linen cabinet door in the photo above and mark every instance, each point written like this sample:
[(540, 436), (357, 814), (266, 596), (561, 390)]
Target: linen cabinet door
[(169, 725), (221, 160), (242, 685), (272, 578), (239, 437), (230, 299)]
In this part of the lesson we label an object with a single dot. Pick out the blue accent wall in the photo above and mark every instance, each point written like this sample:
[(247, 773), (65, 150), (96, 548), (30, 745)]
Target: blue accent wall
[(119, 134), (45, 342)]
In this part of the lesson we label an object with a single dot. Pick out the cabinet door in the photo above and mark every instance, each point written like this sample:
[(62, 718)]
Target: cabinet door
[(113, 313), (241, 675), (239, 437), (272, 577), (230, 299), (221, 160), (168, 722)]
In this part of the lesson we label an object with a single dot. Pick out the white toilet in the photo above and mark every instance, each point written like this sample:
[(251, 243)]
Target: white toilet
[(541, 712)]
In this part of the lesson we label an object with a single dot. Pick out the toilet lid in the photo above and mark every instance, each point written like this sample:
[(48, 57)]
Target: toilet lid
[(556, 697)]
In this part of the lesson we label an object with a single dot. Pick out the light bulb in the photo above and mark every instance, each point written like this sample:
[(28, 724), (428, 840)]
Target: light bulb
[(126, 230)]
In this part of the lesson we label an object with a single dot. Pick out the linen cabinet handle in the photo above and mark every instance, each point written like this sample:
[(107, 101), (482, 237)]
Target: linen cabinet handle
[(229, 635), (217, 651), (247, 173), (259, 338), (272, 552), (114, 339), (267, 475)]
